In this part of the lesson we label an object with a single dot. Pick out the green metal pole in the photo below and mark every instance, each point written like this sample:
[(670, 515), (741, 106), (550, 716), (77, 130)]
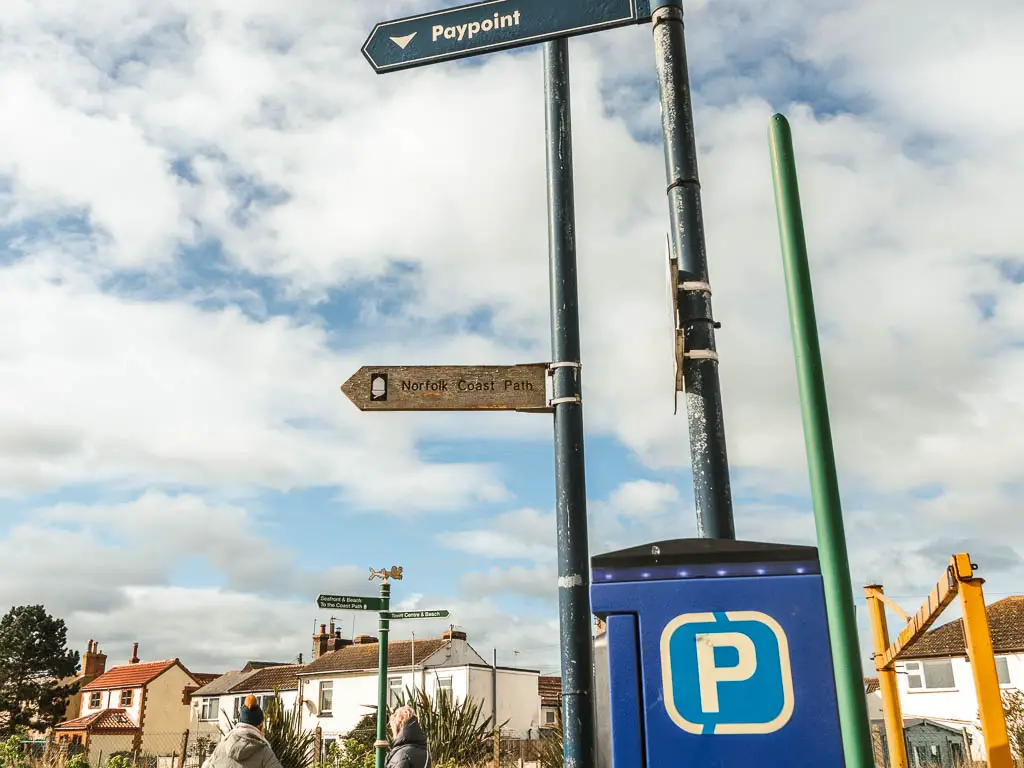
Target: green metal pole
[(821, 462), (383, 624)]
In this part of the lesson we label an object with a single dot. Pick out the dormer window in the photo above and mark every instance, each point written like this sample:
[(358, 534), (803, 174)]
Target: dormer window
[(126, 698)]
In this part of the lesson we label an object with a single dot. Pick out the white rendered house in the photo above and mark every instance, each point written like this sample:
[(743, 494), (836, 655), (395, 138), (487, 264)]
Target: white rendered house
[(339, 687)]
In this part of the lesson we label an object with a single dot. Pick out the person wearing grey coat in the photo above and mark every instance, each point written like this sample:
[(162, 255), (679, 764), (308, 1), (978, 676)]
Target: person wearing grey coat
[(244, 746), (409, 749)]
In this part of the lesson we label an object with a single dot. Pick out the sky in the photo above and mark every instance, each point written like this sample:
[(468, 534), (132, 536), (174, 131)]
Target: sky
[(213, 213)]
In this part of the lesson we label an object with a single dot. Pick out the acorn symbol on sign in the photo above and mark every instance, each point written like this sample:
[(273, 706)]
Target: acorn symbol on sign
[(378, 386)]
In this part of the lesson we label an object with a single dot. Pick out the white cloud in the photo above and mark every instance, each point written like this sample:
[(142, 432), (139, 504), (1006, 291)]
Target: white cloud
[(101, 389)]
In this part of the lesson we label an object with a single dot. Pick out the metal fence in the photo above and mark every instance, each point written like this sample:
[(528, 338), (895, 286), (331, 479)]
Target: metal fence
[(152, 750)]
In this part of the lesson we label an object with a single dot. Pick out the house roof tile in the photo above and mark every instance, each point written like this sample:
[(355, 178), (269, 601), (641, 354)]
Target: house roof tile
[(254, 665), (1005, 622), (550, 689), (870, 684), (105, 719), (223, 684), (130, 675), (357, 658), (284, 678), (205, 677)]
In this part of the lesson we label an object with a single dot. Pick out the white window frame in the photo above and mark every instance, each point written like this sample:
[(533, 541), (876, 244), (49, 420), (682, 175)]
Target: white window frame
[(209, 710), (326, 686), (916, 671), (444, 683), (395, 690), (549, 717), (1006, 665)]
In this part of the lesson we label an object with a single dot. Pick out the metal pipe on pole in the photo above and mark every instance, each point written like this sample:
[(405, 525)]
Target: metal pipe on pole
[(567, 401), (494, 708), (821, 462), (711, 489)]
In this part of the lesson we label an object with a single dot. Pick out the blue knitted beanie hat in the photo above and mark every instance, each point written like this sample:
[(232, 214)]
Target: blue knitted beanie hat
[(250, 713)]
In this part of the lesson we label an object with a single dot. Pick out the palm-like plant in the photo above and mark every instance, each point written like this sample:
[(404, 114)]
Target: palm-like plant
[(282, 728), (457, 730), (552, 750)]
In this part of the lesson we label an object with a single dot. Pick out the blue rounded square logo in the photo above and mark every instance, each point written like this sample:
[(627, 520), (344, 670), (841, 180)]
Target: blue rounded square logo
[(727, 673)]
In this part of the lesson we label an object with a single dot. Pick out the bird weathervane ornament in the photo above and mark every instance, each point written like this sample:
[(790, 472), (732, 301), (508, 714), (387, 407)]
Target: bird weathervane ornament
[(385, 574)]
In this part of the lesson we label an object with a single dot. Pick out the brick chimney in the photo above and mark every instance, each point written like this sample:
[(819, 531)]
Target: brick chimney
[(94, 662), (453, 634), (365, 640), (337, 642), (135, 654), (320, 642)]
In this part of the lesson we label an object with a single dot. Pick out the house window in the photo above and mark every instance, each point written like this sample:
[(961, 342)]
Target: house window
[(326, 697), (94, 700), (209, 709), (394, 690), (444, 683), (237, 707), (126, 698), (934, 674), (1002, 670), (956, 751), (549, 717)]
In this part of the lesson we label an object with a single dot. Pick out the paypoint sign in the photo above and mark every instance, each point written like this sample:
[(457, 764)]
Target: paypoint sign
[(727, 673)]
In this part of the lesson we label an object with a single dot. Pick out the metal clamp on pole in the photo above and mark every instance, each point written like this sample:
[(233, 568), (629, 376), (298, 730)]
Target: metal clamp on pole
[(576, 399), (694, 285), (559, 400), (554, 366), (702, 354)]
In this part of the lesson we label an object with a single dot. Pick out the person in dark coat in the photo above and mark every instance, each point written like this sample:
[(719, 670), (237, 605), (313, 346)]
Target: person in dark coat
[(409, 749)]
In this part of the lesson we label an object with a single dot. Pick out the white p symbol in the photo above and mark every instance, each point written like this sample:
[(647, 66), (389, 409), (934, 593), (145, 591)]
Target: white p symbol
[(710, 675)]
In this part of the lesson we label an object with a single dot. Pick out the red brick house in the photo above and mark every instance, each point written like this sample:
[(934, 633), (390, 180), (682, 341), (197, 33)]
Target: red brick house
[(136, 708)]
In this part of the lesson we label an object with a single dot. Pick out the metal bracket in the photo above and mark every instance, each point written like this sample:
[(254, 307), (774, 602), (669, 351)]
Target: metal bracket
[(696, 286), (559, 400), (701, 354), (553, 366)]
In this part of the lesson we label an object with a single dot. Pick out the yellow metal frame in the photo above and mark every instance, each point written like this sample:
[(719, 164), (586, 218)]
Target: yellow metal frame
[(959, 579)]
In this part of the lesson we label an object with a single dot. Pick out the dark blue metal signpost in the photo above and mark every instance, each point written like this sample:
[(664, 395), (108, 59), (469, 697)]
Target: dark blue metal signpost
[(711, 489), (567, 400)]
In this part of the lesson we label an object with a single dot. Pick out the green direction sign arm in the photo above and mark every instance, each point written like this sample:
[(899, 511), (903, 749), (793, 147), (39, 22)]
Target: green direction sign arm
[(349, 603), (399, 615), (483, 27)]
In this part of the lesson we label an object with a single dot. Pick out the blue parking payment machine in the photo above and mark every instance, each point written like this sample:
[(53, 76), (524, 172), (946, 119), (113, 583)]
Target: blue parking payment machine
[(718, 655)]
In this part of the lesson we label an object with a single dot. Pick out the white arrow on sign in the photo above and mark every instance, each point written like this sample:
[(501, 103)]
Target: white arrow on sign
[(403, 41)]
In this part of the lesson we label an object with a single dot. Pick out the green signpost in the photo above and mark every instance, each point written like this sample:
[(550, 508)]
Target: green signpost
[(384, 619)]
